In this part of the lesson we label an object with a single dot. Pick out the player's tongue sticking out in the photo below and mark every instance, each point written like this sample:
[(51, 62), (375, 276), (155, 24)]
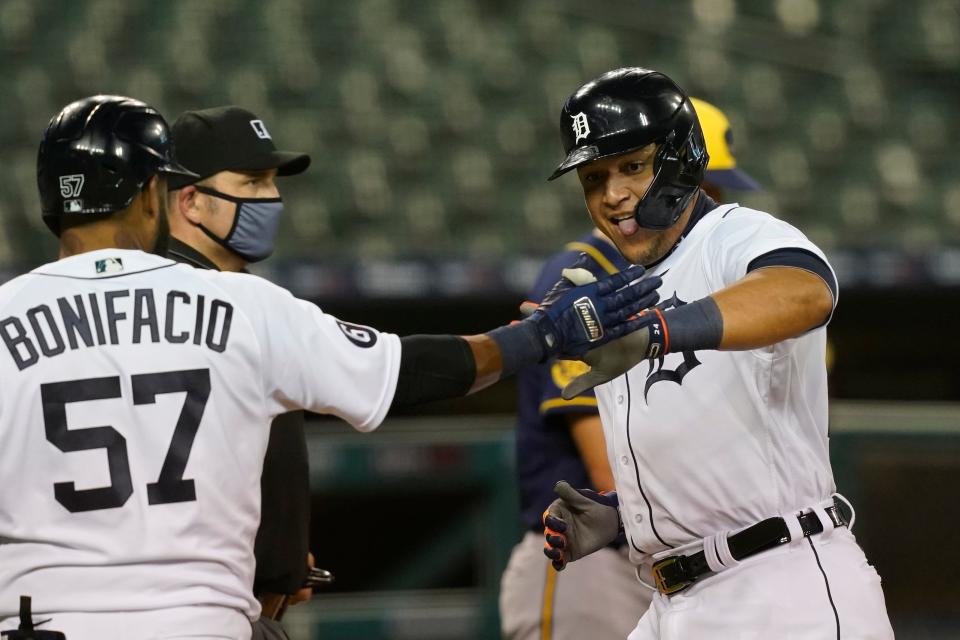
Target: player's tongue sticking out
[(628, 226)]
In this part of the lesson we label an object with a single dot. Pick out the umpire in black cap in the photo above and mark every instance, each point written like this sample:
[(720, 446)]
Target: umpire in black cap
[(226, 218), (230, 214)]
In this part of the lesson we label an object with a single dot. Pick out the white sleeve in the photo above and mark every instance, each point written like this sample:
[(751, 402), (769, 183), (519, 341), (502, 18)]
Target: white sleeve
[(316, 362), (743, 236)]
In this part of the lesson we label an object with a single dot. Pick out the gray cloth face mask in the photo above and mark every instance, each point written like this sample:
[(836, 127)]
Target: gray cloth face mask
[(254, 226)]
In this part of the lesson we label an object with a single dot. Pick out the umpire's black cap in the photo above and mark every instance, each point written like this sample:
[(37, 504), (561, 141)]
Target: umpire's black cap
[(228, 138)]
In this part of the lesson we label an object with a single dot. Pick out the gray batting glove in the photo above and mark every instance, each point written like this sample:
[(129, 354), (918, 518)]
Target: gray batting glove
[(611, 360), (580, 522)]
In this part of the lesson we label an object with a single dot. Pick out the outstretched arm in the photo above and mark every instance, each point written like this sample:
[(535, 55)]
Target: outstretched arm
[(489, 362), (570, 321), (770, 305)]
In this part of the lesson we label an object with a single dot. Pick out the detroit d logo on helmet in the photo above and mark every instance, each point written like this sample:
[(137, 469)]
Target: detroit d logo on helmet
[(580, 127)]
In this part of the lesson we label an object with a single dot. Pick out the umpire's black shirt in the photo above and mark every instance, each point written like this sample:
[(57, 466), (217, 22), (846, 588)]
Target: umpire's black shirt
[(282, 540)]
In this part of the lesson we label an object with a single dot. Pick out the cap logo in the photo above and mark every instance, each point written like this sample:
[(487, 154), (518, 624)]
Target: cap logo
[(580, 127), (71, 185), (260, 129)]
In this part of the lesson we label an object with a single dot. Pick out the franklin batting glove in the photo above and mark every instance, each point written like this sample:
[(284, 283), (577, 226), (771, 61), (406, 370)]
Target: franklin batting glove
[(578, 523), (619, 356), (575, 275), (573, 319)]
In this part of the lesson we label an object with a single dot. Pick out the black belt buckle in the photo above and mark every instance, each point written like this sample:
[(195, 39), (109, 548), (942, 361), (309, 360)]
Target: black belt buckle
[(670, 574)]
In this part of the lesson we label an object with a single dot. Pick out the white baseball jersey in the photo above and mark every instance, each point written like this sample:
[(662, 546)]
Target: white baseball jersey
[(709, 441), (135, 410)]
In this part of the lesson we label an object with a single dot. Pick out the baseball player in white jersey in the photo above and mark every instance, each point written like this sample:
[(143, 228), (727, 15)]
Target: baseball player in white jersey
[(562, 439), (715, 415), (138, 393)]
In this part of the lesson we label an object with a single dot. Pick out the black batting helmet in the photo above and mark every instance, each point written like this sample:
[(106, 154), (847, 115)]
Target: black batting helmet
[(97, 154), (624, 110)]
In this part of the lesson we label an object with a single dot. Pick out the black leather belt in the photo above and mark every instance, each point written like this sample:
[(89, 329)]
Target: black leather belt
[(676, 573)]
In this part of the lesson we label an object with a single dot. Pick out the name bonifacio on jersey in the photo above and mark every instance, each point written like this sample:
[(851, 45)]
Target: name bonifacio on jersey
[(99, 319)]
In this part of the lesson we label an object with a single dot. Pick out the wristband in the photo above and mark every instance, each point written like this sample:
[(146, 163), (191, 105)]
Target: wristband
[(694, 326), (520, 346)]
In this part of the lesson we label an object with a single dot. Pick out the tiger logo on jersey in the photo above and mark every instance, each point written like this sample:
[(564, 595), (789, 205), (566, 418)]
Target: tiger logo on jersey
[(677, 375)]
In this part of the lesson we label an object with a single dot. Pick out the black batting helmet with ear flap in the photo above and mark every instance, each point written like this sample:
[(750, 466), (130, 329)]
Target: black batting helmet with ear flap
[(627, 109), (97, 154)]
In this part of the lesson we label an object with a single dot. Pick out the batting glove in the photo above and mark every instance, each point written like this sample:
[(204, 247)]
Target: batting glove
[(619, 356), (574, 318), (578, 523)]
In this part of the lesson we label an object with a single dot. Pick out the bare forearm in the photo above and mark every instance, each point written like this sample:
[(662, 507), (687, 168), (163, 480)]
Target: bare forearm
[(567, 324), (487, 359), (770, 305)]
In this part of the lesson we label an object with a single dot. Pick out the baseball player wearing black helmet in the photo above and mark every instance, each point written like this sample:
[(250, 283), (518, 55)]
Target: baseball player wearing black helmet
[(715, 415), (562, 439), (625, 111), (97, 155), (138, 393)]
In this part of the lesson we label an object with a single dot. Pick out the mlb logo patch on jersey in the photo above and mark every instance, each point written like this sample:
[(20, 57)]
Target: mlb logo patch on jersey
[(73, 206), (109, 265)]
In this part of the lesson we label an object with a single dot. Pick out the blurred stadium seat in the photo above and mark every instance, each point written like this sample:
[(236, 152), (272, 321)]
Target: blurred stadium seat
[(843, 110), (433, 126)]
